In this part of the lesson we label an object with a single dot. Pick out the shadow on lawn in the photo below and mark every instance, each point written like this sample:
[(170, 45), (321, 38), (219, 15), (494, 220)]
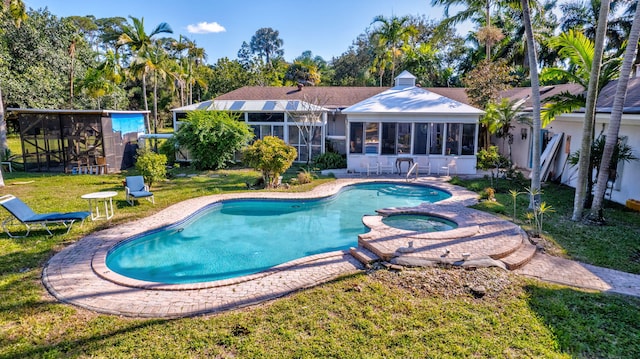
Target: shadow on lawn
[(585, 324)]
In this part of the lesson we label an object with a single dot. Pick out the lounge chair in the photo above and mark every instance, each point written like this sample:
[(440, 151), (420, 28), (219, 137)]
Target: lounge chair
[(23, 213), (136, 189)]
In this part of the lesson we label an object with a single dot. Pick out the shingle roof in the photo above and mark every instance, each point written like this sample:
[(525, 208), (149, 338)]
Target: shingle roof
[(632, 100), (330, 97)]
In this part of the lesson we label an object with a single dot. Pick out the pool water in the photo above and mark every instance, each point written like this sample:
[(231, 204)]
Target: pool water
[(419, 223), (240, 237)]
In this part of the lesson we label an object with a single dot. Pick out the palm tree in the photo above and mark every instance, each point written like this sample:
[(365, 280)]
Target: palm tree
[(535, 97), (587, 133), (499, 118), (16, 10), (392, 37), (579, 52), (614, 122), (155, 61), (134, 36)]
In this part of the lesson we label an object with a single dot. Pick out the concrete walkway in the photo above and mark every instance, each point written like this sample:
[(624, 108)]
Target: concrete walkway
[(77, 275)]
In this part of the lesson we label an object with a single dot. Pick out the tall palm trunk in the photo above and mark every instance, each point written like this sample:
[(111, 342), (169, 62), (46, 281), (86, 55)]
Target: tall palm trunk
[(614, 124), (535, 96), (589, 115), (144, 92)]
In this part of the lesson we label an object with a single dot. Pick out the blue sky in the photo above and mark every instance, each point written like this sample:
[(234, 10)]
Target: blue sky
[(326, 27)]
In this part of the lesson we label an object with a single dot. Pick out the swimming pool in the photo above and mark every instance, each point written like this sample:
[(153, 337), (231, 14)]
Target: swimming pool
[(239, 237)]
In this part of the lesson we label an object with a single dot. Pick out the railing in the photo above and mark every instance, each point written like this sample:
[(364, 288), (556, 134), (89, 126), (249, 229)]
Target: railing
[(411, 170)]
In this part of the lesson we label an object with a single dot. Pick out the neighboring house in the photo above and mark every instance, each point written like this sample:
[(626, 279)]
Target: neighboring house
[(565, 132), (379, 124), (625, 185)]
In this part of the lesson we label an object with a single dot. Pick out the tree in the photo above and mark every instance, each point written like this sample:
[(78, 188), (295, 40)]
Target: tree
[(272, 156), (391, 38), (267, 43), (608, 158), (213, 137), (499, 117), (16, 10), (483, 85), (589, 118), (134, 36), (578, 53), (535, 96), (308, 118)]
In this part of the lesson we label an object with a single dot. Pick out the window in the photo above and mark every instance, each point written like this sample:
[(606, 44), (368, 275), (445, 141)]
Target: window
[(355, 137), (396, 138), (388, 138), (404, 138), (261, 131), (372, 139), (468, 139), (453, 139), (297, 140), (436, 138), (420, 141), (266, 117)]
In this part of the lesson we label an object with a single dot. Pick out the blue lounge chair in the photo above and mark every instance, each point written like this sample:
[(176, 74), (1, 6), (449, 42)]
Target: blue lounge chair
[(23, 213), (135, 189)]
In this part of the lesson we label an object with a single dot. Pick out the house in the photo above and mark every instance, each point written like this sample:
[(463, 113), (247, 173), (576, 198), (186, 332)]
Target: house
[(625, 184), (563, 137), (383, 127)]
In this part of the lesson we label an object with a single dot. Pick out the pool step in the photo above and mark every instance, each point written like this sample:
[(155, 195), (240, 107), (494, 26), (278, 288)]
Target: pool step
[(520, 257), (363, 255)]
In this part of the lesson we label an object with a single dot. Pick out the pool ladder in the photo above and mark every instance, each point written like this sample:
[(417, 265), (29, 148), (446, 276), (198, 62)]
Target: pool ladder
[(413, 168)]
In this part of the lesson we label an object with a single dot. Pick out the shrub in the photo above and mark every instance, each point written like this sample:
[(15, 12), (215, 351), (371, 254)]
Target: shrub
[(304, 176), (213, 137), (490, 158), (152, 166), (270, 155), (329, 160)]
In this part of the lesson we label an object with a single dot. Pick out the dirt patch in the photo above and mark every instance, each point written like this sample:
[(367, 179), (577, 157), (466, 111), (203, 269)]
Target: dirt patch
[(483, 283)]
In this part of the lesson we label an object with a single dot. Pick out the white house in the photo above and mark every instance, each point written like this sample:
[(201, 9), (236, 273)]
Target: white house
[(412, 124), (384, 127), (567, 130)]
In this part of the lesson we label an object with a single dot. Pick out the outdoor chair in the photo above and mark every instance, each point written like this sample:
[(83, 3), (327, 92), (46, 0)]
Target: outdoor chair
[(136, 189), (23, 213)]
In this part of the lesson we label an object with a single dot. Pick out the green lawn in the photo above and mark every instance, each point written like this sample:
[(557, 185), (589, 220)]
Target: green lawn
[(378, 314)]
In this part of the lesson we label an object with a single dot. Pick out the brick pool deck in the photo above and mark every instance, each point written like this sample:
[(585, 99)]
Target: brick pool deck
[(77, 275)]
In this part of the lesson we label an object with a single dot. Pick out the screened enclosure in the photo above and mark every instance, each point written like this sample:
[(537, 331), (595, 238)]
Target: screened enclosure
[(79, 141)]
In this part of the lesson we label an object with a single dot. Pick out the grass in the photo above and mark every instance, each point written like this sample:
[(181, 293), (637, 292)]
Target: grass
[(369, 315)]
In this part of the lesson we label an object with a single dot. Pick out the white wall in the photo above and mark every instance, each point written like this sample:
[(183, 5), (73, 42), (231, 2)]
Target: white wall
[(628, 183)]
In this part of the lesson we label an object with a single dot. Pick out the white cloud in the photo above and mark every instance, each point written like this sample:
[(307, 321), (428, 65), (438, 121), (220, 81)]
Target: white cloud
[(205, 28)]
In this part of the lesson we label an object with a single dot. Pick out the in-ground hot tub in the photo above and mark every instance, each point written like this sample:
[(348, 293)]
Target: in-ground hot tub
[(422, 223)]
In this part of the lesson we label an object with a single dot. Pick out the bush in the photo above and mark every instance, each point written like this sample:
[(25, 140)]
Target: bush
[(330, 160), (270, 155), (213, 137), (490, 158), (304, 176), (152, 166)]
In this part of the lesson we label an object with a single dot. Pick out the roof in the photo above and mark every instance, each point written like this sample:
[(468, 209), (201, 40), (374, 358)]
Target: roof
[(254, 106), (329, 97), (411, 99), (70, 112), (520, 93), (631, 102)]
